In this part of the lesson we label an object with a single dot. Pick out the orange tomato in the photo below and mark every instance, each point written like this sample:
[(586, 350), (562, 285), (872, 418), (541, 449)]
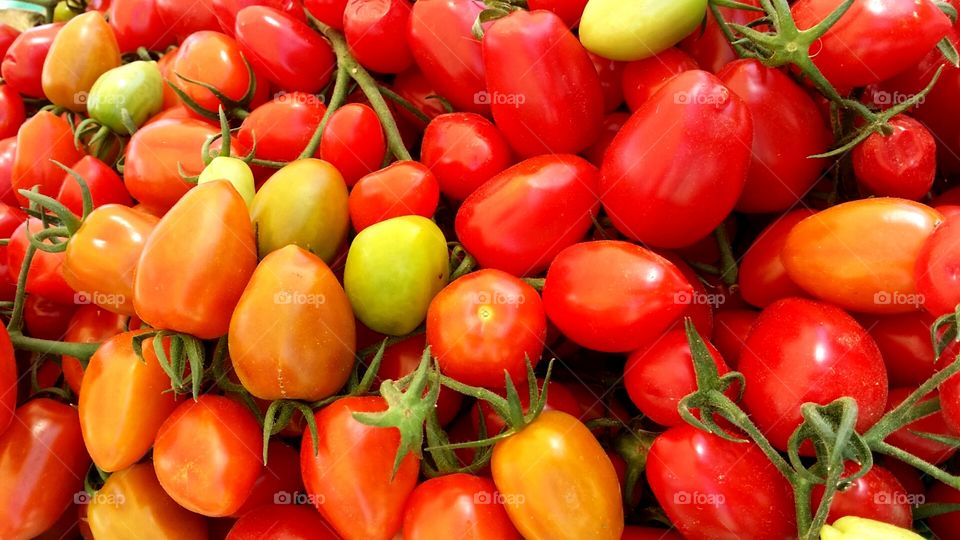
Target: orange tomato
[(84, 49)]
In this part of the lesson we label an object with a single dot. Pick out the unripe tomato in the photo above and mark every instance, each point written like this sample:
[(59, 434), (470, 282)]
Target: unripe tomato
[(82, 51), (637, 29), (127, 96), (233, 170)]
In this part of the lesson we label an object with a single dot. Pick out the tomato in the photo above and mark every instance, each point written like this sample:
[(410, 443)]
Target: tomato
[(876, 495), (282, 128), (700, 304), (8, 381), (612, 123), (184, 18), (348, 474), (45, 319), (170, 98), (233, 170), (414, 87), (613, 296), (102, 256), (403, 188), (950, 401), (227, 10), (659, 376), (82, 51), (714, 488), (24, 60), (42, 465), (556, 481), (376, 32), (10, 218), (8, 35), (278, 479), (935, 272), (902, 164), (642, 78), (45, 276), (152, 157), (763, 278), (803, 351), (212, 58), (353, 141), (304, 204), (394, 269), (904, 342), (329, 12), (730, 330), (287, 51), (708, 45), (310, 357), (132, 504), (287, 522), (486, 324), (611, 81), (88, 324), (842, 254), (137, 24), (211, 268), (8, 149), (655, 172), (906, 438), (42, 138), (104, 184), (637, 30), (132, 92), (556, 195), (559, 398), (944, 525), (872, 41), (457, 506), (207, 455), (542, 87), (12, 112), (463, 150)]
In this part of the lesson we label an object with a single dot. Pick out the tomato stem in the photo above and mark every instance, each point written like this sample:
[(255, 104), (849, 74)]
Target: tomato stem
[(336, 99), (79, 350), (728, 263)]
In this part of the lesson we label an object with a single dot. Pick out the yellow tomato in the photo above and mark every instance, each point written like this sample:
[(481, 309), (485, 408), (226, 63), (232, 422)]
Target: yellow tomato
[(232, 170), (629, 30)]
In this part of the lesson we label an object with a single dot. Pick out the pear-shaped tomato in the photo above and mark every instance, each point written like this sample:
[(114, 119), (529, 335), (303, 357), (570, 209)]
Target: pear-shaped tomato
[(84, 49), (42, 138)]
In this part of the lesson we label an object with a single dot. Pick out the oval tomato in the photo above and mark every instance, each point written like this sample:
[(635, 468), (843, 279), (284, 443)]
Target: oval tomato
[(278, 480), (876, 495), (376, 32), (403, 188), (353, 141), (904, 342), (639, 29), (83, 49), (89, 324), (46, 319), (708, 45), (23, 63), (42, 138), (137, 24), (902, 164), (215, 59), (45, 276), (281, 129), (227, 10), (104, 184), (12, 112), (457, 506), (281, 522), (642, 78), (730, 330), (463, 150), (182, 18), (935, 271), (763, 278)]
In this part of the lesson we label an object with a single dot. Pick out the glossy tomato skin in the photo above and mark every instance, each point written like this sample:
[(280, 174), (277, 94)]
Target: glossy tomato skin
[(23, 62), (413, 86), (581, 498), (207, 455), (45, 275), (905, 438), (46, 319), (556, 195), (485, 324), (8, 381), (637, 30), (950, 403), (611, 81), (7, 36), (708, 45), (877, 495), (353, 141), (281, 474), (787, 128), (806, 351), (104, 184), (212, 267), (904, 342), (287, 51), (227, 10), (447, 52), (730, 330), (935, 269), (282, 127), (8, 150), (376, 32), (642, 78), (215, 59), (183, 18), (542, 87), (313, 356), (137, 24), (89, 324), (132, 504), (670, 181), (10, 218), (13, 112), (329, 12), (463, 150), (763, 278), (842, 254), (457, 506), (613, 296), (83, 49), (43, 463), (612, 123), (946, 524), (40, 139), (713, 488), (872, 41), (403, 188), (287, 522), (349, 472), (902, 164)]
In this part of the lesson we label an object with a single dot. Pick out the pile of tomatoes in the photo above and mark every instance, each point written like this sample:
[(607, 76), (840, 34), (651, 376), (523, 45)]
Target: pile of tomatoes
[(487, 269)]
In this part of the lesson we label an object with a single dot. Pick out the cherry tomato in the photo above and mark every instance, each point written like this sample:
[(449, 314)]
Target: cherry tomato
[(414, 87), (376, 32), (730, 330), (708, 45), (642, 78), (611, 81), (936, 275), (45, 319), (905, 438), (105, 186), (10, 218), (701, 303), (353, 141), (763, 278), (463, 150), (803, 351), (904, 342), (876, 495), (902, 164), (42, 138), (89, 324), (286, 522), (183, 18), (212, 58), (83, 49), (329, 12), (457, 506), (137, 24), (612, 123), (613, 296), (279, 478), (404, 188), (45, 276), (23, 62), (282, 128), (8, 150), (12, 112)]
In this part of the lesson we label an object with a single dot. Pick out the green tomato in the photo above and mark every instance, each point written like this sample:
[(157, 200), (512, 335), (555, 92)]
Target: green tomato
[(628, 30), (394, 269), (233, 170), (304, 204), (62, 13), (127, 96)]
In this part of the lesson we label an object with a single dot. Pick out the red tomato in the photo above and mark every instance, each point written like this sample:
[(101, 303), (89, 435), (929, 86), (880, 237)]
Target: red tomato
[(349, 474), (329, 12), (212, 58), (542, 87), (787, 128), (457, 506), (42, 138), (803, 351), (8, 149), (281, 522), (376, 32), (89, 324), (282, 128), (950, 401), (642, 78), (700, 304), (485, 324), (936, 274), (554, 195), (10, 218), (447, 52), (23, 62), (708, 45), (613, 296), (7, 36), (763, 279), (611, 81), (656, 171), (730, 330), (45, 275), (45, 319), (105, 186), (287, 51), (944, 525), (353, 141), (42, 466), (612, 123), (279, 479), (182, 18), (906, 439), (876, 495), (137, 24), (403, 358), (463, 150), (904, 342), (227, 10), (403, 188), (902, 164), (12, 112), (713, 488), (414, 87), (207, 455), (8, 381)]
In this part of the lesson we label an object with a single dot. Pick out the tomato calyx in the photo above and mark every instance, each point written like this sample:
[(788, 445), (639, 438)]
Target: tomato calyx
[(496, 9), (237, 108), (461, 261)]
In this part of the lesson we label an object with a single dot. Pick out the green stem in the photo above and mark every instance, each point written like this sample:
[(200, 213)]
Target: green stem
[(728, 263), (16, 318), (46, 346), (336, 99)]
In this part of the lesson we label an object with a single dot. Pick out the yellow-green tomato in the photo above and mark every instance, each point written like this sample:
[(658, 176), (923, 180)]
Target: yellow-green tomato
[(233, 170), (394, 268), (629, 30), (858, 528), (127, 96), (304, 204)]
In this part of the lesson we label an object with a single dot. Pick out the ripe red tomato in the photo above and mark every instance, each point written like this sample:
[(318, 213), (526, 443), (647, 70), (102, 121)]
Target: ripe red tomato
[(12, 112), (136, 23), (708, 45), (403, 188), (329, 12), (286, 522), (353, 142), (612, 123), (904, 342), (803, 351), (414, 87), (876, 495), (348, 475), (45, 319), (89, 324), (42, 138), (655, 171), (403, 358), (376, 32), (730, 330), (183, 18), (568, 10), (213, 58), (713, 488), (278, 479), (282, 127), (554, 195), (763, 278), (10, 218), (541, 84), (642, 78), (944, 525), (7, 36), (701, 303), (950, 401), (8, 381), (611, 81), (902, 164), (613, 296), (936, 274), (463, 150), (925, 449), (457, 506), (8, 149), (105, 186), (23, 62), (207, 455), (45, 275), (227, 10)]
